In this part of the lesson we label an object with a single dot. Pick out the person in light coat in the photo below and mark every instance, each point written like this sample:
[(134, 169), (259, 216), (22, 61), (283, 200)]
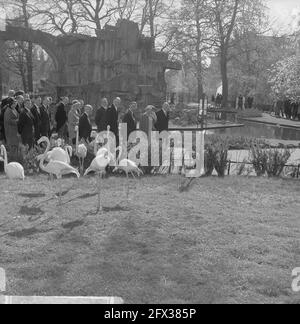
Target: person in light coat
[(73, 121)]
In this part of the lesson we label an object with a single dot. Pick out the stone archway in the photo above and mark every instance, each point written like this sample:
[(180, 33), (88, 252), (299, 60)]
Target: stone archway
[(45, 40)]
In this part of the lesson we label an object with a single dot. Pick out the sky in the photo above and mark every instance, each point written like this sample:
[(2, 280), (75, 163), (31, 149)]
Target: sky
[(282, 11)]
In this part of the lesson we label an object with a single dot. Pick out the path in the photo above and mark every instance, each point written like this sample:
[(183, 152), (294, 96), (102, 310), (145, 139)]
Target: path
[(271, 120)]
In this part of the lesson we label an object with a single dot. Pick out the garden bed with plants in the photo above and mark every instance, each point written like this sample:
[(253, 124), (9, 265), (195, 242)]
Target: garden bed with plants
[(265, 158)]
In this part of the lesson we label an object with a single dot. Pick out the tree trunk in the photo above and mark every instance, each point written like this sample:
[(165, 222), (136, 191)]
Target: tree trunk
[(224, 74), (24, 80), (200, 90), (151, 20), (29, 51), (29, 60)]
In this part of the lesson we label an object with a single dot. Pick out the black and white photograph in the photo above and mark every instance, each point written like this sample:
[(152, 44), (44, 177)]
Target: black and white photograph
[(150, 154)]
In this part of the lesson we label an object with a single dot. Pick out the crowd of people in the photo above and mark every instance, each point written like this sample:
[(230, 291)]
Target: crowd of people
[(24, 119), (287, 109)]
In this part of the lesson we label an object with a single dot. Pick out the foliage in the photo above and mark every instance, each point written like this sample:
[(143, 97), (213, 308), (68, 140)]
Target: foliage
[(285, 79), (29, 159), (216, 156), (252, 57), (269, 161), (249, 113), (236, 142), (210, 157), (277, 159), (221, 158)]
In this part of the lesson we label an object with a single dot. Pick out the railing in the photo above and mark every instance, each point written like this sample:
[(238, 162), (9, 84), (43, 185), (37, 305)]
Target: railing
[(249, 163), (222, 114)]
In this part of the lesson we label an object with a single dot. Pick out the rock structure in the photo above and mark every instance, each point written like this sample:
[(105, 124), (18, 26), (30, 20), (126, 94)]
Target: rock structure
[(121, 62)]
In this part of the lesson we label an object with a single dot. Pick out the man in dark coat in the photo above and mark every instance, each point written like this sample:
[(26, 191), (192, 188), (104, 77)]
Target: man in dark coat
[(130, 120), (163, 117), (85, 126), (100, 118), (112, 118), (36, 112), (45, 118), (61, 117), (20, 100), (26, 124), (11, 118)]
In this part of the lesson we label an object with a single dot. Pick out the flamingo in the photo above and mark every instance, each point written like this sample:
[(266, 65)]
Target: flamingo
[(56, 168), (127, 166), (13, 170), (81, 151), (103, 150), (99, 165), (57, 153), (60, 154)]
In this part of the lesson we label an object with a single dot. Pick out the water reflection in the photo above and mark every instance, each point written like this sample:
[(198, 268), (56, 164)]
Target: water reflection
[(258, 130)]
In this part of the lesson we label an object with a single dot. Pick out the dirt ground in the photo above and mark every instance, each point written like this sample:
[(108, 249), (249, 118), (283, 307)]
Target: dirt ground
[(232, 240)]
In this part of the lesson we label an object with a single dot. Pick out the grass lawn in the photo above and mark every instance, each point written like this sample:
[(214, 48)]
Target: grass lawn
[(234, 240)]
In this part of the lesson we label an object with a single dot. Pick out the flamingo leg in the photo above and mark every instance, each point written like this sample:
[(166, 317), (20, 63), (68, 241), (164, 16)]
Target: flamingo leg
[(81, 166), (127, 193), (60, 192), (99, 207)]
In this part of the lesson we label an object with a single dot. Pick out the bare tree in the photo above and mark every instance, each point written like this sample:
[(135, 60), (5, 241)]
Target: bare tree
[(126, 9), (21, 9), (58, 16), (226, 18), (191, 33), (152, 16), (15, 61)]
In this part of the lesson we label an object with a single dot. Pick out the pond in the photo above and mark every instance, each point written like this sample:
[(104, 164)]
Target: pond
[(264, 131)]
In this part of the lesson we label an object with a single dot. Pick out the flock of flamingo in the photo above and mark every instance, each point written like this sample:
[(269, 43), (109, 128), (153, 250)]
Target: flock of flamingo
[(56, 162)]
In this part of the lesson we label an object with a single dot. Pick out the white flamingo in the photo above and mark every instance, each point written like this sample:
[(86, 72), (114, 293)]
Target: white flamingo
[(127, 166), (60, 154), (56, 168), (81, 151), (57, 153), (103, 150), (99, 165), (13, 170)]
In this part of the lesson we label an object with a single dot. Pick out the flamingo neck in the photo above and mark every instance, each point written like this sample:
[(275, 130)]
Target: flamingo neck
[(42, 166), (77, 141), (68, 150), (96, 145), (120, 149)]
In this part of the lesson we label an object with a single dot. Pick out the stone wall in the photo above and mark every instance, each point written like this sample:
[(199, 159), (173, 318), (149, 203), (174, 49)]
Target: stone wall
[(121, 62)]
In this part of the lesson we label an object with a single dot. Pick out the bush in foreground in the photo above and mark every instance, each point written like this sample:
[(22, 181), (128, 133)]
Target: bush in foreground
[(269, 161)]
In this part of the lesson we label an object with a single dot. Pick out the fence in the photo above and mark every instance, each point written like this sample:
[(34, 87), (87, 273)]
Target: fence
[(249, 163)]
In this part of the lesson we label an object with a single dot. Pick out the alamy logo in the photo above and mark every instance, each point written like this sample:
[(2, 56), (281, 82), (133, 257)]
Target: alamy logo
[(296, 280)]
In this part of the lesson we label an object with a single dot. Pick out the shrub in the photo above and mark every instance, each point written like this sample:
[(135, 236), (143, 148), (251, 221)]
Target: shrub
[(249, 113), (269, 161), (29, 159), (210, 157), (259, 159), (236, 142), (216, 156), (277, 159), (221, 158)]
